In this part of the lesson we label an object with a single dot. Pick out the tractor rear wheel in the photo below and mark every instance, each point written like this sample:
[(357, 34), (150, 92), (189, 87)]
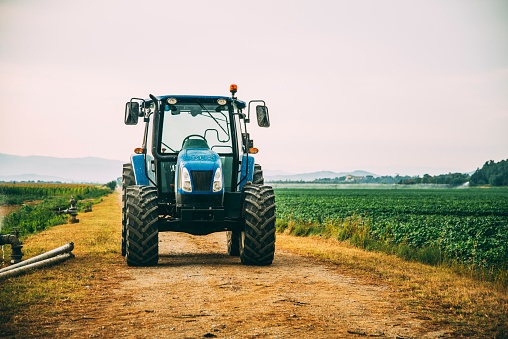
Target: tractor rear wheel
[(127, 180), (233, 243), (142, 245), (257, 241)]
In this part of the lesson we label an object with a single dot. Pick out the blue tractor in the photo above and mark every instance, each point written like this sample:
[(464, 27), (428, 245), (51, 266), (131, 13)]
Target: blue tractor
[(195, 173)]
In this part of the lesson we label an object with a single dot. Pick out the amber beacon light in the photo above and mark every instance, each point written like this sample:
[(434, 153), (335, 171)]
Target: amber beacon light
[(233, 89)]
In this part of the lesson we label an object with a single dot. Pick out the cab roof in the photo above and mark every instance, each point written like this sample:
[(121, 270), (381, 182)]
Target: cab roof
[(187, 99)]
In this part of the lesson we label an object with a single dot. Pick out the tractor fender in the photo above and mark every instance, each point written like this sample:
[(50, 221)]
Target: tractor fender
[(247, 170), (139, 168)]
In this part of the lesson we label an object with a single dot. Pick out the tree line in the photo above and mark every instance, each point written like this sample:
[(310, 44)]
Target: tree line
[(450, 179), (492, 173)]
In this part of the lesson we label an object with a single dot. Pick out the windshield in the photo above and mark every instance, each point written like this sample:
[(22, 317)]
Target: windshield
[(210, 122)]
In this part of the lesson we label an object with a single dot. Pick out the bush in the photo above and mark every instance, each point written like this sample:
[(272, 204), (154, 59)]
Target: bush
[(111, 185)]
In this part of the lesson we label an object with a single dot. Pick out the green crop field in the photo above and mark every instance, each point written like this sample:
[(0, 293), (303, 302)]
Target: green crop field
[(467, 226), (34, 205)]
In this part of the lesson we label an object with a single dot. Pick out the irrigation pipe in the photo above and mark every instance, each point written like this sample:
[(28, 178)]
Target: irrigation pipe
[(53, 253), (39, 264)]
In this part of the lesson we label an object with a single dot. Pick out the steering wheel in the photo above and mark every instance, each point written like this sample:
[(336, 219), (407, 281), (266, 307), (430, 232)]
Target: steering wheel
[(193, 136)]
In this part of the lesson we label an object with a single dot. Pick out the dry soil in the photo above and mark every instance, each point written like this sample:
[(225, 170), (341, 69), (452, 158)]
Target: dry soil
[(198, 291)]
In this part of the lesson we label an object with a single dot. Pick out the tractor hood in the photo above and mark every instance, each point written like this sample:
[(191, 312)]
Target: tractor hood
[(199, 172), (199, 159)]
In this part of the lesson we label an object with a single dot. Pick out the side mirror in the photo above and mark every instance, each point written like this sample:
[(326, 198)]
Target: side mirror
[(131, 113), (262, 115)]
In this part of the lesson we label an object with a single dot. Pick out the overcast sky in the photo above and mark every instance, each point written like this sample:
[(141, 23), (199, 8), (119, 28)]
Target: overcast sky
[(408, 87)]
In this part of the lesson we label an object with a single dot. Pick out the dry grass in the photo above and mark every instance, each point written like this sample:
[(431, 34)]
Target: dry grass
[(47, 294), (470, 306)]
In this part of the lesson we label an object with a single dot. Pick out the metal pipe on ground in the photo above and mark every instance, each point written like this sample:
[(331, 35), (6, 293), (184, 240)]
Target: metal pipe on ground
[(62, 249), (39, 264)]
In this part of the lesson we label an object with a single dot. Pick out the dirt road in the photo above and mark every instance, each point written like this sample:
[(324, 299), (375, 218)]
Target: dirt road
[(198, 291)]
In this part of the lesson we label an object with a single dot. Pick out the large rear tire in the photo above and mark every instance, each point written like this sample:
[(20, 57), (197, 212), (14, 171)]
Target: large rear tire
[(257, 241), (233, 243), (128, 179), (142, 246)]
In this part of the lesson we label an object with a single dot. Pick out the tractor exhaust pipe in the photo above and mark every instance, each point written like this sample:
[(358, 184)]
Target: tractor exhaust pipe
[(49, 258)]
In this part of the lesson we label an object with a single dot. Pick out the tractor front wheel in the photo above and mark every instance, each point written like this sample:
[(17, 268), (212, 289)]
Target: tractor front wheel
[(258, 175), (142, 245), (257, 241)]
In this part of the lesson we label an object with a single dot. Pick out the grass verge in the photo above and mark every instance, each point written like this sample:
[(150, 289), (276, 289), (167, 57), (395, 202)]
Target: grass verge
[(356, 230), (472, 308), (29, 304)]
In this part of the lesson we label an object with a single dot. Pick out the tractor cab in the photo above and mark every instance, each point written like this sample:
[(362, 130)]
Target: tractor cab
[(196, 157)]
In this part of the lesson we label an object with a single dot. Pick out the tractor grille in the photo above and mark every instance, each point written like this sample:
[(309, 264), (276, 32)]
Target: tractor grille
[(202, 180)]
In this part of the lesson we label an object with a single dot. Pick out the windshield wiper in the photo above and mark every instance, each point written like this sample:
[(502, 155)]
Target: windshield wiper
[(214, 119), (169, 147)]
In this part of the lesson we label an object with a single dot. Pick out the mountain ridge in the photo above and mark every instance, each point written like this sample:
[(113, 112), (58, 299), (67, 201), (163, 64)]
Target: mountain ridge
[(101, 170), (46, 168)]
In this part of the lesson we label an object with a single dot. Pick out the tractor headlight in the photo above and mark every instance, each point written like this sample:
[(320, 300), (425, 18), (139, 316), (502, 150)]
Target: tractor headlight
[(217, 180), (185, 180)]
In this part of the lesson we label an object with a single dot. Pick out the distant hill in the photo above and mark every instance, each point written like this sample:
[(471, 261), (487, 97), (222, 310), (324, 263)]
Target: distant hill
[(91, 169), (315, 175), (88, 169)]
